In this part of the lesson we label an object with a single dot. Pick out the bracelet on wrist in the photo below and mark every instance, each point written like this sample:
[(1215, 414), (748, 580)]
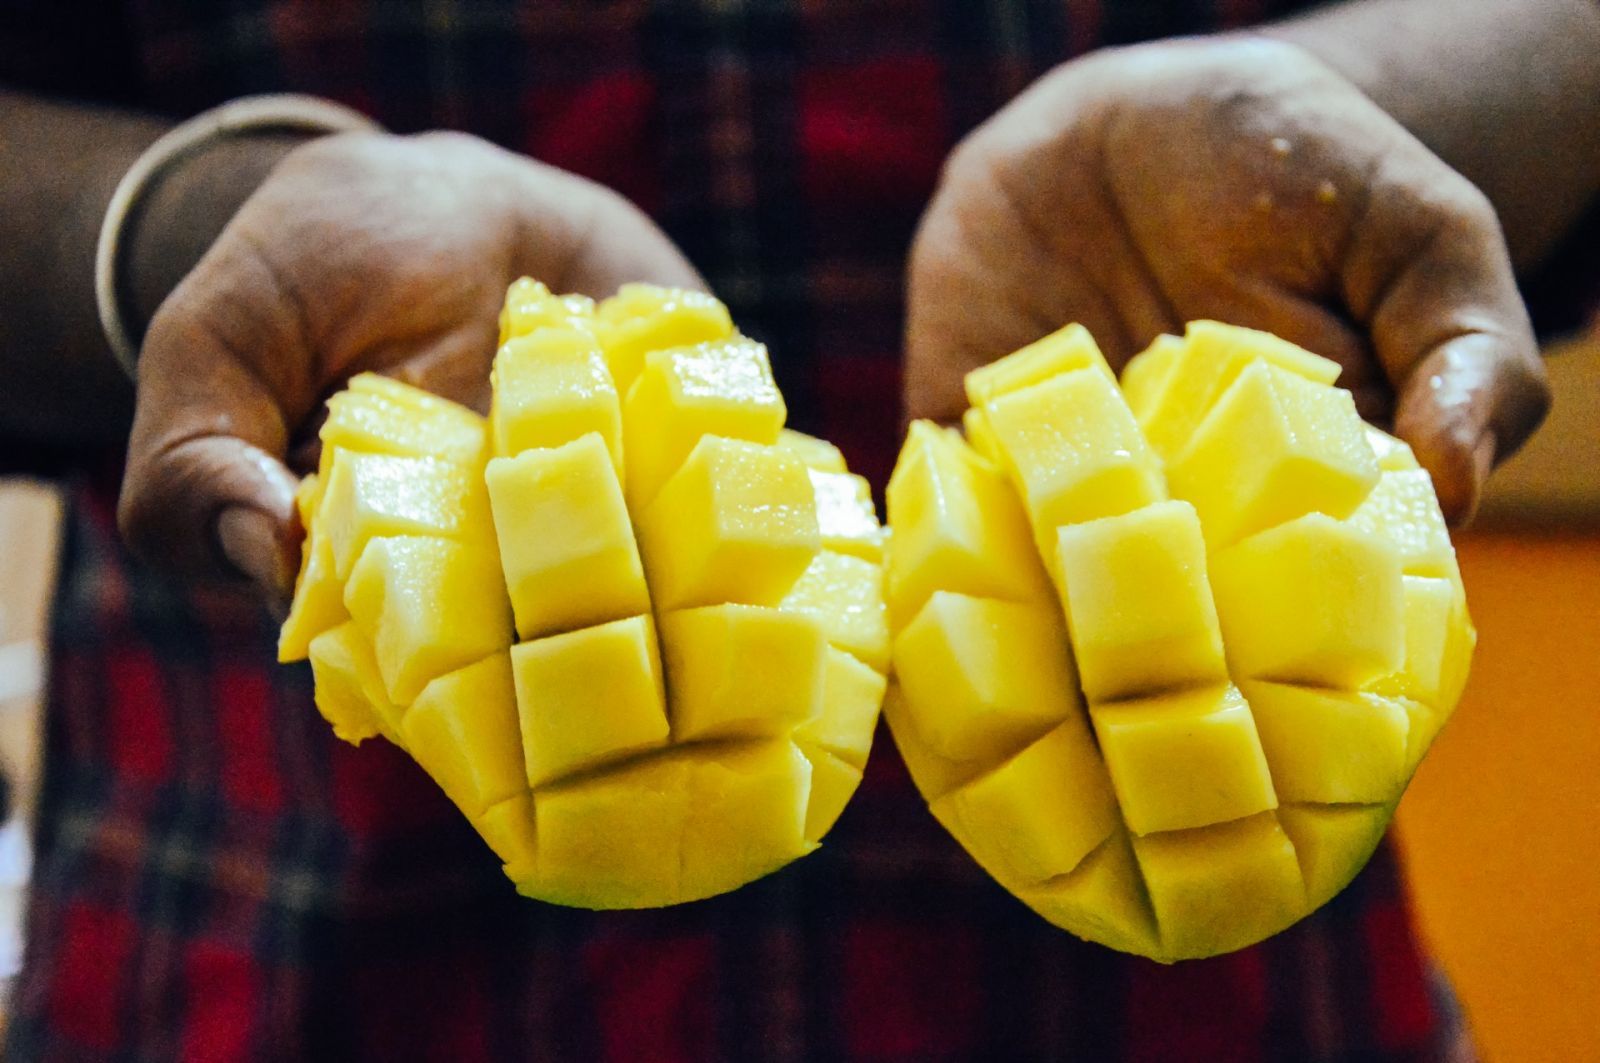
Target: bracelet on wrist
[(286, 112)]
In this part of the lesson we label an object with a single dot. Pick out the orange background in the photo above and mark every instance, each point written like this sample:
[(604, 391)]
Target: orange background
[(1502, 826)]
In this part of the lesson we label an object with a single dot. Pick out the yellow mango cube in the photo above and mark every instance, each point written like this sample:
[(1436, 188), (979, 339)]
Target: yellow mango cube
[(372, 495), (550, 388), (724, 388), (588, 696), (672, 828), (1137, 602), (846, 518), (851, 696), (429, 606), (934, 774), (737, 523), (1438, 641), (380, 415), (833, 783), (642, 317), (530, 306), (566, 543), (1102, 899), (1311, 601), (1392, 455), (814, 453), (980, 435), (1212, 358), (463, 730), (318, 603), (349, 691), (1403, 511), (748, 811), (1063, 351), (1073, 451), (1329, 745), (1275, 447), (1197, 878), (508, 828), (844, 596), (1146, 373), (1332, 843), (1040, 813), (741, 670), (958, 664), (960, 527), (1423, 725), (614, 839), (1184, 760)]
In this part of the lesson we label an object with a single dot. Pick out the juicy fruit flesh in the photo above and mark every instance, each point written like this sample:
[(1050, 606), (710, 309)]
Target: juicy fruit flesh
[(630, 624), (1170, 725)]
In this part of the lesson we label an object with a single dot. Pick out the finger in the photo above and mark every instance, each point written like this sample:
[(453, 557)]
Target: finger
[(1431, 274), (206, 493), (1468, 406)]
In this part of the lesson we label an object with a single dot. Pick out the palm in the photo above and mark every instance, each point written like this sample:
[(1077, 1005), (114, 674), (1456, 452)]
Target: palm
[(359, 252), (1138, 190)]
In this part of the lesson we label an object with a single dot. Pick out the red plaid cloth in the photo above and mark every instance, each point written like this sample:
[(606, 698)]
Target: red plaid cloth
[(218, 878)]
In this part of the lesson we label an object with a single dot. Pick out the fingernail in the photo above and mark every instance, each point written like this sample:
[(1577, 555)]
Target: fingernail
[(249, 540)]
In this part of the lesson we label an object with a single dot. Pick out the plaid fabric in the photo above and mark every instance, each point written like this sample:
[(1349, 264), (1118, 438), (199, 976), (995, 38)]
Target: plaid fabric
[(218, 878)]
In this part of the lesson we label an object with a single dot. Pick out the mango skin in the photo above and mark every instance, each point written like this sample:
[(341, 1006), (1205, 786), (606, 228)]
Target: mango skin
[(1264, 659)]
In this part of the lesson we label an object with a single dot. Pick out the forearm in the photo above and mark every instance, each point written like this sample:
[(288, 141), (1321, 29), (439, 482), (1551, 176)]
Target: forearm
[(59, 164), (1506, 91)]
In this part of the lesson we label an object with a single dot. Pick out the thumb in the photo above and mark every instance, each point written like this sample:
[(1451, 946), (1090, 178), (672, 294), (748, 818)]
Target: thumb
[(1451, 332), (206, 492)]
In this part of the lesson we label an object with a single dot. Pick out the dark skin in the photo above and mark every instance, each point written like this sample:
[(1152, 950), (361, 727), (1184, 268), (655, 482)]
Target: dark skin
[(1129, 190), (1249, 183)]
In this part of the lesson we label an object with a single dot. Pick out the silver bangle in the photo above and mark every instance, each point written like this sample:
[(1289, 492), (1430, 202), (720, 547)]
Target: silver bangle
[(287, 112)]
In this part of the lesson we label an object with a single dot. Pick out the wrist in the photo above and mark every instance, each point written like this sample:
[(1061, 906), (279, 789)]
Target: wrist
[(186, 208), (201, 199)]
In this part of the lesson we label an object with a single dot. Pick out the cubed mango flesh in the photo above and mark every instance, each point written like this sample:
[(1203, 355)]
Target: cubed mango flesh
[(983, 677), (1138, 604), (1037, 815), (1068, 348), (642, 318), (814, 453), (551, 387), (349, 690), (496, 597), (742, 670), (589, 695), (566, 543), (1284, 638), (429, 606), (846, 519), (1331, 746), (723, 389), (844, 595), (1311, 601), (463, 729), (1213, 356), (372, 495), (1275, 447), (960, 527), (1073, 450), (1184, 760), (736, 523)]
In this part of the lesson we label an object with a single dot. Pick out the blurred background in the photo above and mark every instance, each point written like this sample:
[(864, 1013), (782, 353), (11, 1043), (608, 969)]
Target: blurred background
[(1499, 829)]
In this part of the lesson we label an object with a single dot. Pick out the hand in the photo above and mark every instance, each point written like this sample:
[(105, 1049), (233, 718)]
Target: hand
[(358, 252), (1238, 179)]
